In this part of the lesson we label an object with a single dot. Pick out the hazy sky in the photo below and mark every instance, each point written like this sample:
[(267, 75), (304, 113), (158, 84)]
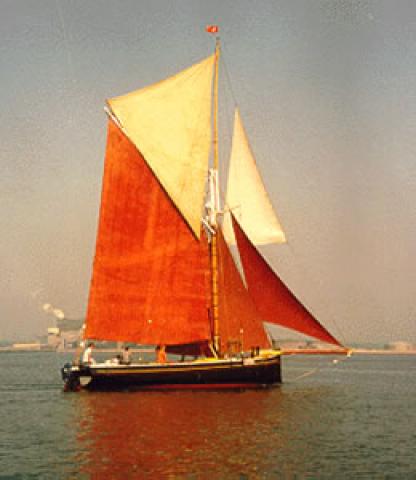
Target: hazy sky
[(327, 91)]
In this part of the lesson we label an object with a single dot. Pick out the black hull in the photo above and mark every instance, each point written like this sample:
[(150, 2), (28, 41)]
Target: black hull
[(218, 374)]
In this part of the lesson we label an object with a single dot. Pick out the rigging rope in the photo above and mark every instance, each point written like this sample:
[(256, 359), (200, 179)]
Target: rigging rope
[(315, 370)]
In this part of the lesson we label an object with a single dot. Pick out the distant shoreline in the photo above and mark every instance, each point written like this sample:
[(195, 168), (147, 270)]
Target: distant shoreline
[(364, 351)]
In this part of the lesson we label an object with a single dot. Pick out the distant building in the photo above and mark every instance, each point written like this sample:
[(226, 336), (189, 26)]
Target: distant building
[(66, 334), (69, 324), (26, 346), (400, 346), (54, 338)]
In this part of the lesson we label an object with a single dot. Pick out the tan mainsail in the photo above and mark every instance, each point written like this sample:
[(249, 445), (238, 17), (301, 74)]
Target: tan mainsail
[(170, 124), (246, 196)]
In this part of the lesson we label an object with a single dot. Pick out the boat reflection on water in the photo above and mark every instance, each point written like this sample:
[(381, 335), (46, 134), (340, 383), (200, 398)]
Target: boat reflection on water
[(178, 434)]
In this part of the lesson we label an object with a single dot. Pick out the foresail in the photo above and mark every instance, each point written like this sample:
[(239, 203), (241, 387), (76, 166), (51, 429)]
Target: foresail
[(170, 124), (149, 282), (274, 301), (246, 196), (241, 327)]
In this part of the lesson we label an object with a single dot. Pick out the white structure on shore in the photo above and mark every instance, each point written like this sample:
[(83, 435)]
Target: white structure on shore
[(26, 346), (400, 346), (66, 334)]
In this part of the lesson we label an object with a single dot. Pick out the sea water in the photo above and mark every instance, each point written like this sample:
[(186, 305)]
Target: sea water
[(354, 418)]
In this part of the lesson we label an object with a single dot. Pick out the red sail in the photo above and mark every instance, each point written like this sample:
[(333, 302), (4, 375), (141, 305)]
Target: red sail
[(149, 276), (275, 302), (240, 326)]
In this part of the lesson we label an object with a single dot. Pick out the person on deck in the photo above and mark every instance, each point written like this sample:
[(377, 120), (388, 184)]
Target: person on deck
[(125, 356), (87, 356), (161, 354)]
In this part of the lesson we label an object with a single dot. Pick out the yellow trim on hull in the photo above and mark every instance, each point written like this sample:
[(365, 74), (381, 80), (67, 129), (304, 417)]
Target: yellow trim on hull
[(175, 368)]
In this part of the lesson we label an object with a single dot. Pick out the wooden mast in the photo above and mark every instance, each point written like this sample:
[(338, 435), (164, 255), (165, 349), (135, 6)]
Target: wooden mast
[(215, 208)]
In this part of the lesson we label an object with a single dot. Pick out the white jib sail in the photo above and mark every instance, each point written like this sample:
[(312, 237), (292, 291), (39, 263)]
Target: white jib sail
[(246, 195)]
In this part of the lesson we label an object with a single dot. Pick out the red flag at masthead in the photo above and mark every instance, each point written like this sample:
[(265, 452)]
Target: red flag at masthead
[(212, 28)]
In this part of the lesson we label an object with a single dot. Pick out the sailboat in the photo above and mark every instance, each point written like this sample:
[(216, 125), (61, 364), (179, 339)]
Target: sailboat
[(175, 266)]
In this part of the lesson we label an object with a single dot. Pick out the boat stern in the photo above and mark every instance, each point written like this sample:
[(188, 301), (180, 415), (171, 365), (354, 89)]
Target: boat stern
[(71, 375)]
